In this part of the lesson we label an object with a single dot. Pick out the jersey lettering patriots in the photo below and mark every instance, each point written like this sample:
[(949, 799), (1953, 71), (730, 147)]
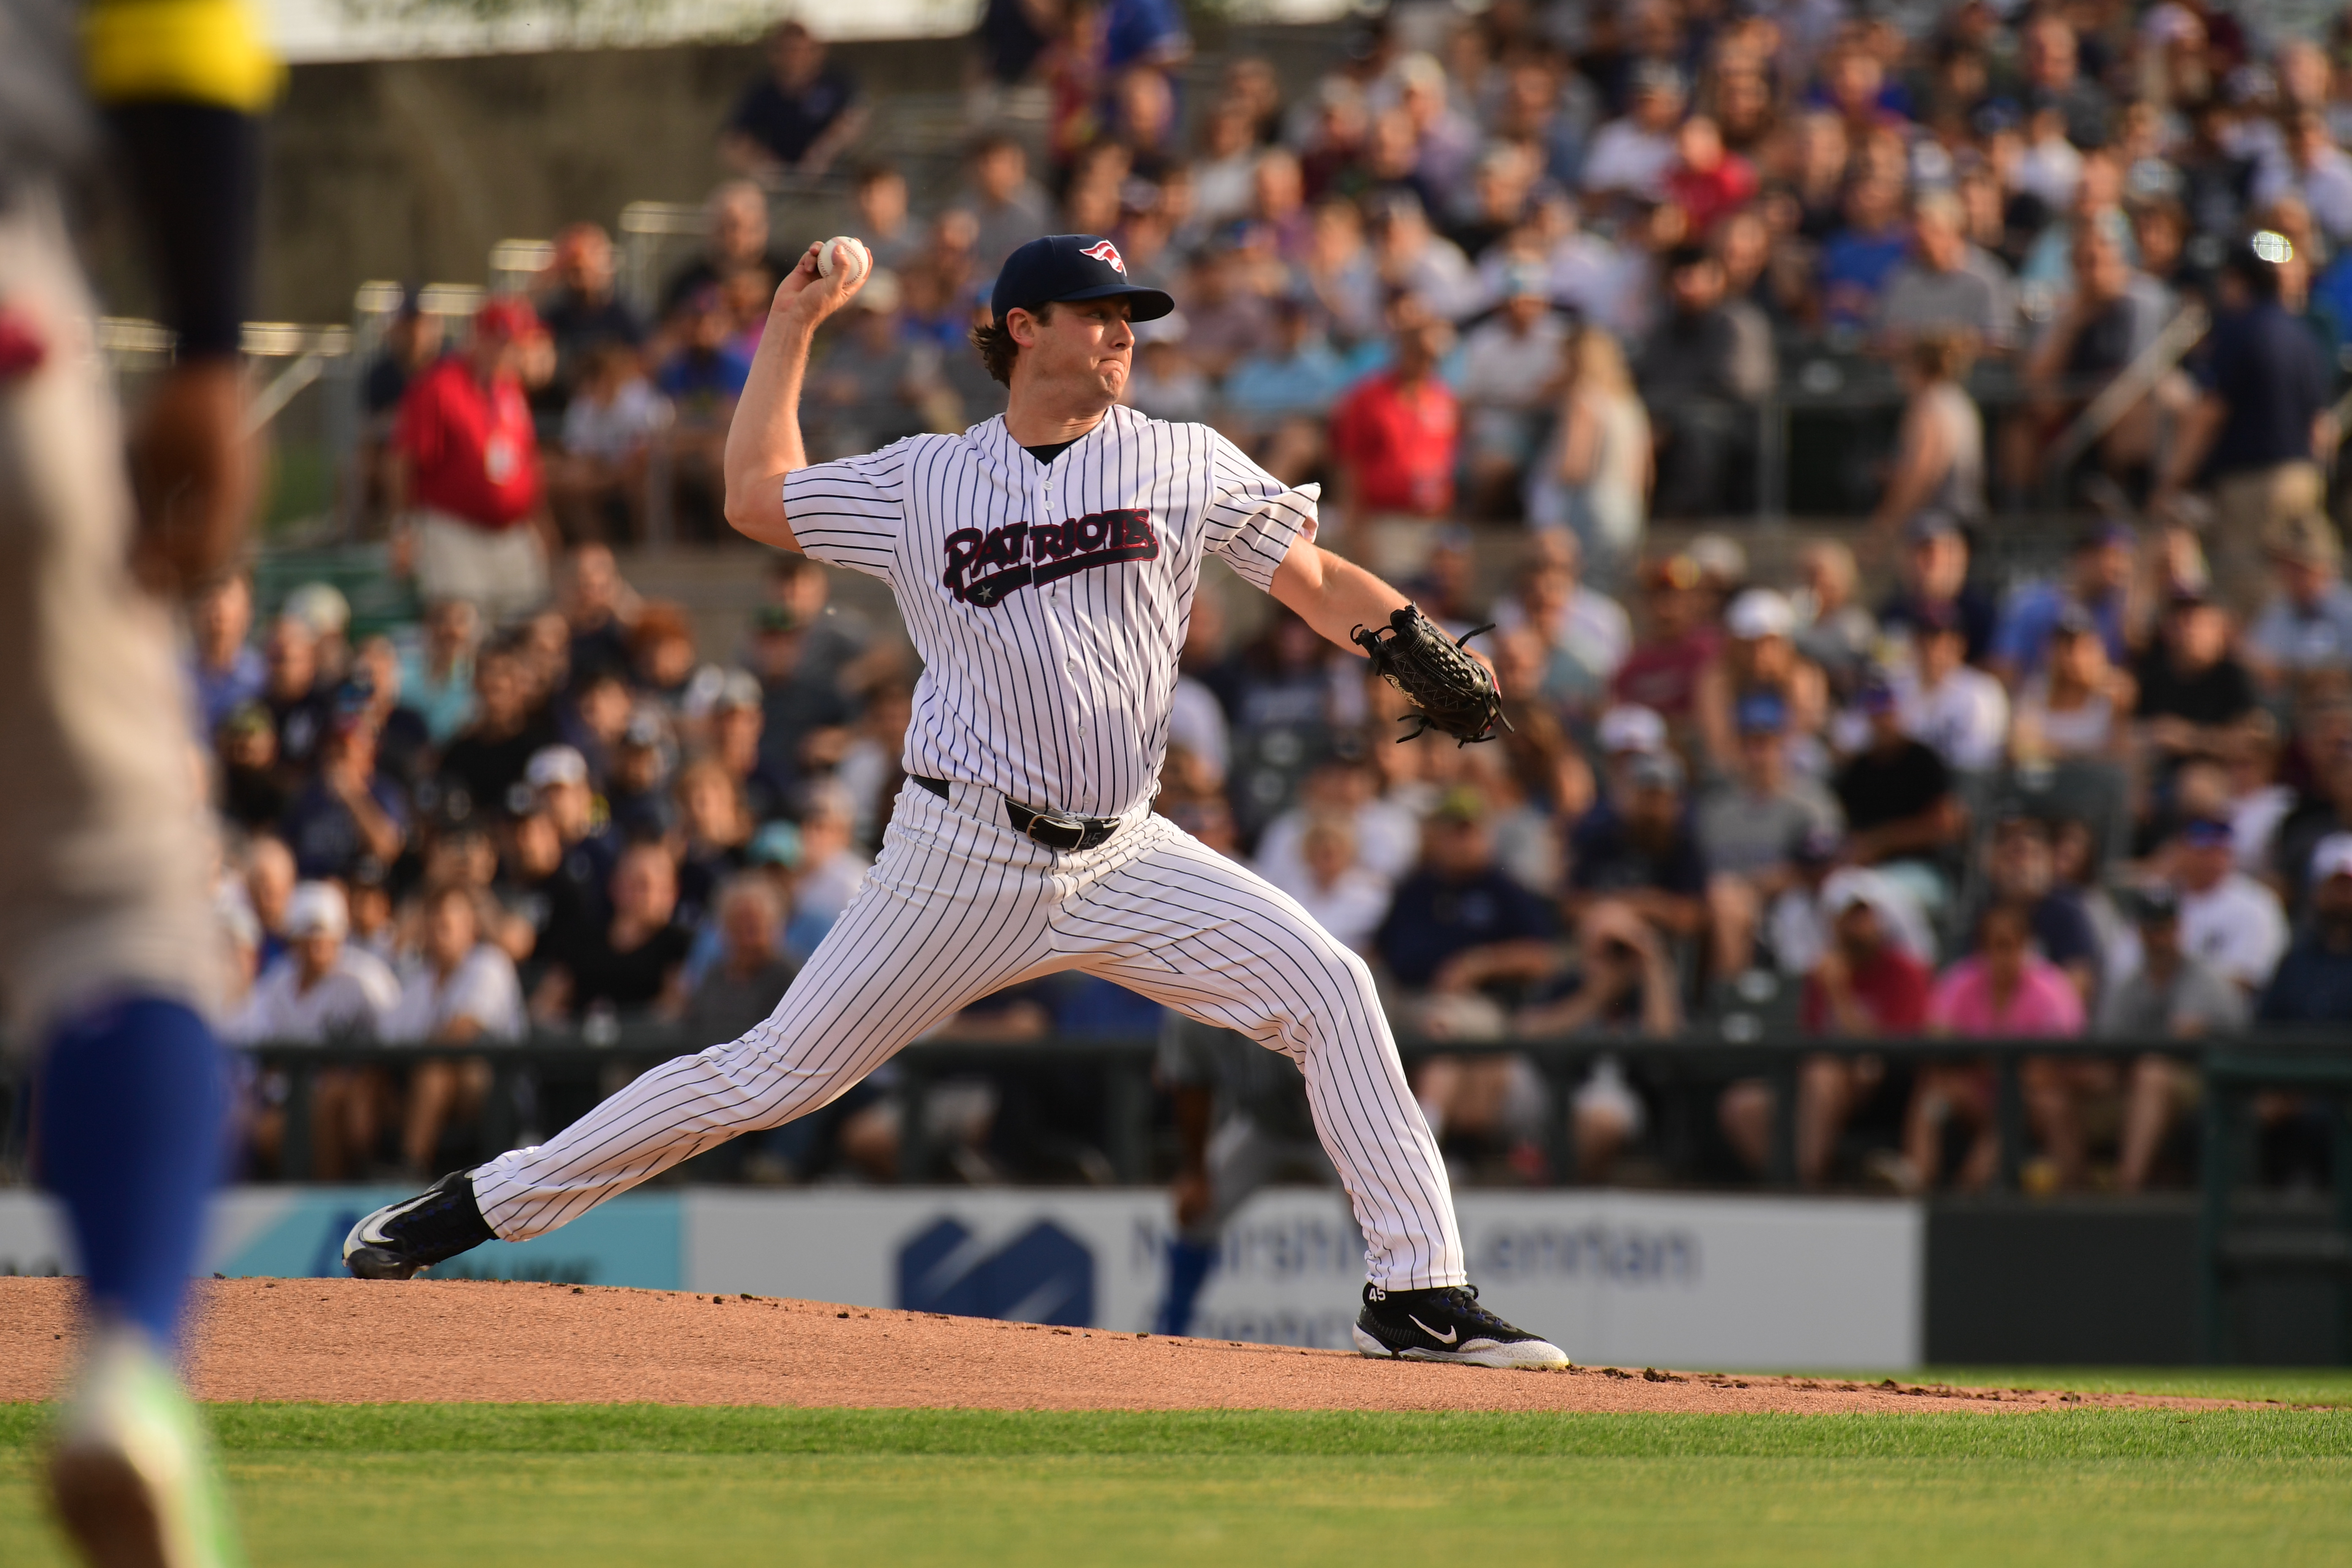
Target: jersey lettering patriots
[(985, 567)]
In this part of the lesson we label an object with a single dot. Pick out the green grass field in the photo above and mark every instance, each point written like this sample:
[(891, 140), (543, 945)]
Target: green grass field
[(590, 1485)]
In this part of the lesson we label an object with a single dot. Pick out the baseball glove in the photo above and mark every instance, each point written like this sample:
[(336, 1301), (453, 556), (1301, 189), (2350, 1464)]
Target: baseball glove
[(1450, 690)]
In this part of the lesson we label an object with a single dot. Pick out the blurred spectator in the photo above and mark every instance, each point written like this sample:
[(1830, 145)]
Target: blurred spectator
[(2096, 589), (803, 697), (832, 869), (1935, 579), (2021, 869), (631, 965), (463, 990), (1594, 477), (1512, 366), (1939, 456), (1625, 983), (1676, 644), (1392, 443), (2171, 996), (2309, 166), (1277, 396), (1833, 631), (2229, 920), (411, 340), (1950, 284), (1706, 181), (253, 792), (223, 667), (1008, 207), (2259, 433), (437, 680), (488, 757), (1749, 826), (884, 220), (470, 470), (876, 382), (794, 120), (2306, 626), (1642, 852), (300, 704), (2193, 692), (2078, 706), (1759, 658), (1585, 635), (596, 484), (1460, 935), (1385, 837), (1860, 257), (347, 810), (323, 992), (1864, 984), (734, 241), (1346, 897), (2004, 990), (1948, 703), (1897, 793), (1701, 371), (869, 771), (736, 994), (1166, 384), (2111, 315), (579, 304), (1633, 156), (268, 890), (2314, 982)]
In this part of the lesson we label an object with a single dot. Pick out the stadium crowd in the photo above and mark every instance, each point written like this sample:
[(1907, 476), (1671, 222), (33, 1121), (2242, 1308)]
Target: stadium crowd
[(1523, 275)]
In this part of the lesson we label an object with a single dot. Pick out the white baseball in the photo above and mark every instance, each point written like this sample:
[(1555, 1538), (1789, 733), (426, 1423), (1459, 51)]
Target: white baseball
[(845, 254)]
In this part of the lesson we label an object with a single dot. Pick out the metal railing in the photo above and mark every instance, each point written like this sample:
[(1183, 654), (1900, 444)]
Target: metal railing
[(2318, 1064)]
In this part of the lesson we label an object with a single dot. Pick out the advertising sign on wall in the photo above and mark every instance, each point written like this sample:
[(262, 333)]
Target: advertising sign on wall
[(1621, 1278)]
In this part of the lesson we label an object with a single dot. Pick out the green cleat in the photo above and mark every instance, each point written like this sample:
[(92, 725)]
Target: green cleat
[(132, 1474)]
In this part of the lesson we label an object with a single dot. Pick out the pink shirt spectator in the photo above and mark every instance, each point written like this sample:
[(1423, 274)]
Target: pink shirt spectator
[(2046, 1003)]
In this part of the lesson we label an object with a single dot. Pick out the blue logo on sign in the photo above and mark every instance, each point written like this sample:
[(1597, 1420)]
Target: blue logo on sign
[(1044, 1275)]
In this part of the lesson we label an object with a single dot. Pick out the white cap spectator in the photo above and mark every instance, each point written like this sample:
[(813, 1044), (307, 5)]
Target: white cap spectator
[(1630, 728), (320, 606), (551, 765), (2333, 858), (1760, 613), (317, 909)]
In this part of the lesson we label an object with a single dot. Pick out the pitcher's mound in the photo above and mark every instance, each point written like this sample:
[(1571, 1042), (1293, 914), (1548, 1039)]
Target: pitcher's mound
[(350, 1340)]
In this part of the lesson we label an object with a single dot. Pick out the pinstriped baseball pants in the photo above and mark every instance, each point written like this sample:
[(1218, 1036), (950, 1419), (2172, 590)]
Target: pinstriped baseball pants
[(960, 906)]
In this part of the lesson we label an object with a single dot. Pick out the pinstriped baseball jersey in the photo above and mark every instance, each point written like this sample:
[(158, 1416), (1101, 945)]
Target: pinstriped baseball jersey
[(1048, 600)]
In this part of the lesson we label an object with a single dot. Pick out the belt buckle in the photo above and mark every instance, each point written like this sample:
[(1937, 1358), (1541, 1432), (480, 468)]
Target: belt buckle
[(1056, 829)]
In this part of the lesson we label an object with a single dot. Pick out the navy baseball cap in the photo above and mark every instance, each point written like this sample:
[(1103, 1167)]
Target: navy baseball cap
[(1066, 268)]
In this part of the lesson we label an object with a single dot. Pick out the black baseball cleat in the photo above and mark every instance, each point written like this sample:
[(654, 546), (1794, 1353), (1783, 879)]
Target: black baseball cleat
[(399, 1240), (1447, 1324)]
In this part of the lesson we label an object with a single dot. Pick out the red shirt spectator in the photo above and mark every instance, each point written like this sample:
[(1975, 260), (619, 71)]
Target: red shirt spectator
[(1661, 673), (1889, 985), (1706, 181), (1397, 437), (471, 449)]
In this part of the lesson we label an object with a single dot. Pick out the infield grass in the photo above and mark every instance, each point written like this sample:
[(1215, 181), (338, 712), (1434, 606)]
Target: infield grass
[(593, 1485)]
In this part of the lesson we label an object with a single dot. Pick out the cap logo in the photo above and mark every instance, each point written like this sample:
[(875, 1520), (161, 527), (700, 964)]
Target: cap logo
[(1104, 250)]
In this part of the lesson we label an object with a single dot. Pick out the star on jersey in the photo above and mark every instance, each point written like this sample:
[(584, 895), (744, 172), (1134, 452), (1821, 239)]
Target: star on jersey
[(1104, 250), (982, 568)]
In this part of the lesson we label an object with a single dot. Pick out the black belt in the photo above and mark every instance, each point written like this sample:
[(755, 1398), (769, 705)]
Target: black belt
[(1054, 829)]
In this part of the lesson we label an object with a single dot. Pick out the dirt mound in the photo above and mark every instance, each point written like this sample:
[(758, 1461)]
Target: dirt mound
[(350, 1340)]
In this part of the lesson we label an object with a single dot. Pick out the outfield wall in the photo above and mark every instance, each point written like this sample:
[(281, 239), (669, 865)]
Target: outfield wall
[(1623, 1278)]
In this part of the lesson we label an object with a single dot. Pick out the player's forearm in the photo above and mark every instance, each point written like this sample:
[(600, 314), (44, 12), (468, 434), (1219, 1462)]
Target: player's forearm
[(1333, 596), (763, 439)]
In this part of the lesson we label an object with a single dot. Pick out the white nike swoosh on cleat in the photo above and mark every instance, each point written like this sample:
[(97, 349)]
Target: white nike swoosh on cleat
[(369, 1231), (1446, 1338)]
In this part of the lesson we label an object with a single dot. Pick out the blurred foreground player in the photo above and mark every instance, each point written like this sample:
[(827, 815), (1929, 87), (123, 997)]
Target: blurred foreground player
[(107, 950)]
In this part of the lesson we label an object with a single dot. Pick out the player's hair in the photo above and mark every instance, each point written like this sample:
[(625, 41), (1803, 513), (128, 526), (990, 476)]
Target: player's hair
[(997, 349)]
